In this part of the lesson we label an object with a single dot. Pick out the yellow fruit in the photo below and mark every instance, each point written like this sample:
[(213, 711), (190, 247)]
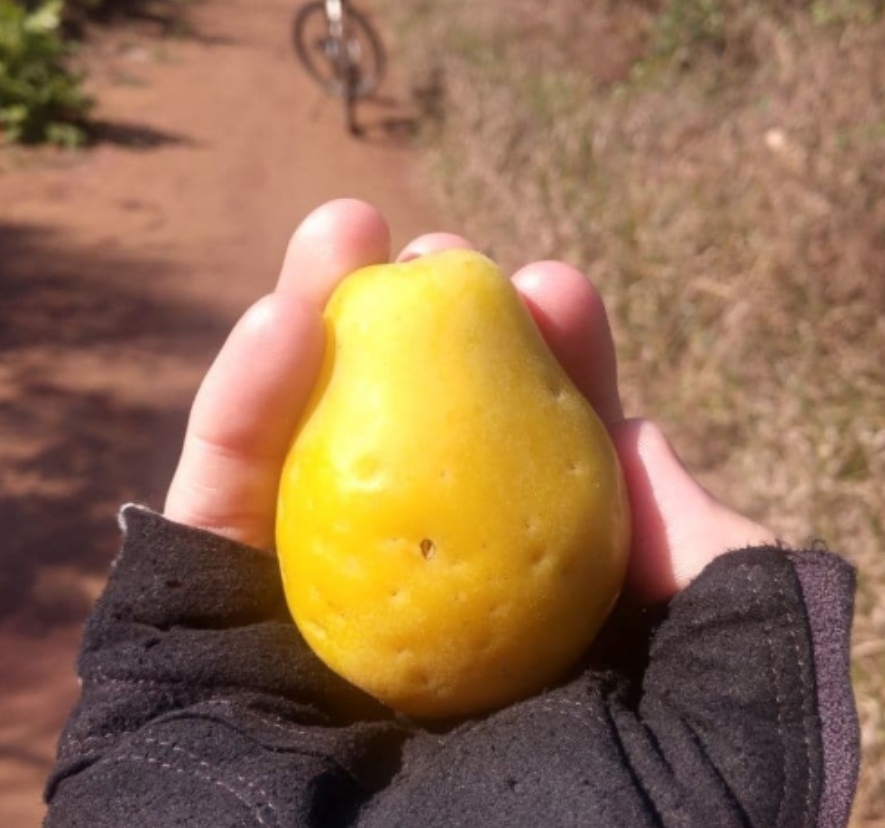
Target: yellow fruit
[(452, 522)]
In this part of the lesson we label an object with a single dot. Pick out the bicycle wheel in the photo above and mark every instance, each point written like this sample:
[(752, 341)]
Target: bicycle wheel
[(349, 67)]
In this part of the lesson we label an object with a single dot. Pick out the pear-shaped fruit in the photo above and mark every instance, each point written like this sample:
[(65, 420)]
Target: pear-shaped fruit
[(453, 523)]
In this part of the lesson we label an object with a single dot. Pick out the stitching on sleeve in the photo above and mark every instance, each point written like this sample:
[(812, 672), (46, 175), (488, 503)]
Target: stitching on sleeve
[(583, 712), (311, 742), (99, 677), (89, 744), (289, 728), (572, 703), (205, 777), (175, 748), (574, 715), (70, 741)]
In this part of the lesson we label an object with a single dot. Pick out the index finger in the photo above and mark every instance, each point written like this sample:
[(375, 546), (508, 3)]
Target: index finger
[(572, 318), (334, 240)]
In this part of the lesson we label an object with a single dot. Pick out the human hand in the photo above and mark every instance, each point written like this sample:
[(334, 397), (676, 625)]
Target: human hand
[(252, 397)]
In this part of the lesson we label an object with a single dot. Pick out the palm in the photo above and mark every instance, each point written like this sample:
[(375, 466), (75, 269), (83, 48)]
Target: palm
[(249, 404)]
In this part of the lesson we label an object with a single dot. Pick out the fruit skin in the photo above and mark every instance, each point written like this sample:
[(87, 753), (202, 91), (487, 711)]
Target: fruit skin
[(452, 521)]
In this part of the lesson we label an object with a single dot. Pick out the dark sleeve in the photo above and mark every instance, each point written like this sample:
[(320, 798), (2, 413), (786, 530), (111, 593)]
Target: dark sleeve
[(744, 717), (202, 706)]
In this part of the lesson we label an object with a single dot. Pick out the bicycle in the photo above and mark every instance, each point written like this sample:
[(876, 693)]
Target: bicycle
[(338, 48)]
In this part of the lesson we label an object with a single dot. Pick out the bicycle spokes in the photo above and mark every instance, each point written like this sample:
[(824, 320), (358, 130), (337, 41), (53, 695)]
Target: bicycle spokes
[(338, 48)]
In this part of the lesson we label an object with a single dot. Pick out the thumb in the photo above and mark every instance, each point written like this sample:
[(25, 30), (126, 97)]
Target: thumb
[(678, 526)]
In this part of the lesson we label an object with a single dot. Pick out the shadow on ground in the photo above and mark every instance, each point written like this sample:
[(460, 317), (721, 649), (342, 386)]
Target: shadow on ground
[(165, 17), (132, 136), (82, 333)]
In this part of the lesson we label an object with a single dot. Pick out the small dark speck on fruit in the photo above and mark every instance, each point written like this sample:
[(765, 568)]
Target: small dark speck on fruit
[(427, 548)]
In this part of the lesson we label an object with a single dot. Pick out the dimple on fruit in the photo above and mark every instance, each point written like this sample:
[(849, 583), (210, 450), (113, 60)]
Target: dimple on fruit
[(452, 520)]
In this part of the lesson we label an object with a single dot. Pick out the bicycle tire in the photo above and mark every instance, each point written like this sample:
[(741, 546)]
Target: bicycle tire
[(321, 67)]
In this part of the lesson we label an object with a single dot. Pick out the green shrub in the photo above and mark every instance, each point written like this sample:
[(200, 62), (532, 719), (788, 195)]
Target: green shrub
[(40, 98), (684, 26), (685, 30)]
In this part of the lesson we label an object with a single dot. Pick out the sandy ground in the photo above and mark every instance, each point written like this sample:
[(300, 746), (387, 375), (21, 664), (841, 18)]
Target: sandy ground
[(121, 270)]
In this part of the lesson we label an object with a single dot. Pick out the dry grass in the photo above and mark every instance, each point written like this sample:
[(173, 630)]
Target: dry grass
[(718, 167)]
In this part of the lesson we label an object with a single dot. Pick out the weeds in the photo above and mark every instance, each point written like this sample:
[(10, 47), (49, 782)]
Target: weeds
[(721, 177), (685, 26)]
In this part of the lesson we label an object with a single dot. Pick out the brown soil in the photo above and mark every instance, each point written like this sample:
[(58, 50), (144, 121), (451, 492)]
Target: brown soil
[(121, 270)]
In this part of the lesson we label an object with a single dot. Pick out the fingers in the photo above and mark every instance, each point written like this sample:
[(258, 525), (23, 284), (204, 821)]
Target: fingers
[(432, 243), (572, 318), (679, 527), (242, 420), (252, 398), (333, 241), (255, 392)]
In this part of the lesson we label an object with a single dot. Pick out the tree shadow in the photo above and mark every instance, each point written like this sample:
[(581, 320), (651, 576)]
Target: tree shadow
[(154, 18), (166, 17), (88, 346), (132, 136), (385, 120)]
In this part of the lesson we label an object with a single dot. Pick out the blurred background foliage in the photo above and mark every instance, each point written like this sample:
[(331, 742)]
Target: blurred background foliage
[(41, 93), (41, 99)]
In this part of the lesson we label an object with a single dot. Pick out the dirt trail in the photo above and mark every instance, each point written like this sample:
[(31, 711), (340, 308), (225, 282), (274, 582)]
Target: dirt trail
[(121, 270)]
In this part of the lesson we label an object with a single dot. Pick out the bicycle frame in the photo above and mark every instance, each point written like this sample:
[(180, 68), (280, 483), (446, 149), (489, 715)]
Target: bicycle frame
[(339, 49), (335, 16)]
